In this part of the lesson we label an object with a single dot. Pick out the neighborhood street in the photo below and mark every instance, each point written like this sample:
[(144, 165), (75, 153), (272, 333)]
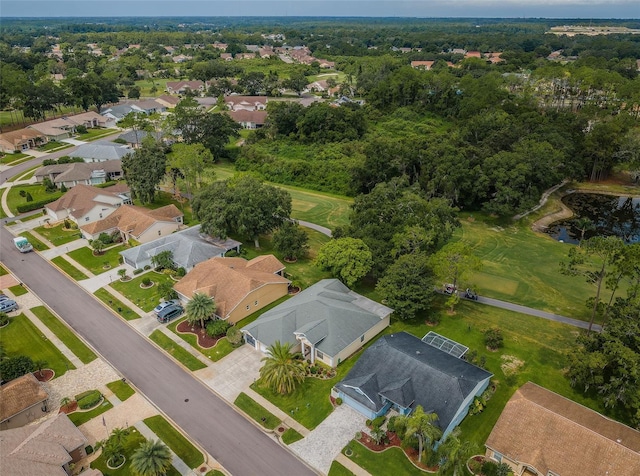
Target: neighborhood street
[(231, 439)]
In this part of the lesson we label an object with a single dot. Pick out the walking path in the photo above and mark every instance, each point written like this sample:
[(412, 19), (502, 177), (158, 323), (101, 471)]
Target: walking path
[(351, 466), (322, 229), (177, 463), (283, 416)]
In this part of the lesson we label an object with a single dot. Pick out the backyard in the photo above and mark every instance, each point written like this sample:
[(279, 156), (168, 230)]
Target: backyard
[(109, 258)]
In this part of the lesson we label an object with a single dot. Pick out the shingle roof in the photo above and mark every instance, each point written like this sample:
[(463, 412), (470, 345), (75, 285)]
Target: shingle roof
[(101, 150), (78, 170), (537, 427), (230, 280), (21, 135), (40, 450), (328, 313), (405, 370), (20, 394), (118, 110), (133, 219), (136, 137), (82, 198), (257, 117)]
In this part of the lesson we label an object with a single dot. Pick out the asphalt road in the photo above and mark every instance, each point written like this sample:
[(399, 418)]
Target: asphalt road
[(16, 169), (238, 445)]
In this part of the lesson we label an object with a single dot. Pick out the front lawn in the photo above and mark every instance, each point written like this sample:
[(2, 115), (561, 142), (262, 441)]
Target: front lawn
[(18, 290), (68, 268), (172, 348), (145, 299), (37, 192), (118, 307), (175, 440), (256, 411), (95, 134), (58, 235), (392, 461), (25, 174), (338, 470), (291, 436), (121, 389), (6, 159), (21, 337), (65, 334), (96, 264), (53, 145), (36, 243), (80, 418)]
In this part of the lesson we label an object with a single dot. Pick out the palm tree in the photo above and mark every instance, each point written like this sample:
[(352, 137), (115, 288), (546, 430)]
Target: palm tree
[(421, 425), (119, 435), (64, 402), (200, 308), (152, 458), (282, 370), (454, 454)]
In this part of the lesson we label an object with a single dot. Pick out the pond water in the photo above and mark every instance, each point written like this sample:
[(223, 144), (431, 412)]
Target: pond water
[(611, 215)]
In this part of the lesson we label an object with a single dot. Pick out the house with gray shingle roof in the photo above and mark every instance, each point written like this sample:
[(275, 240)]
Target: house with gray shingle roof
[(400, 371), (101, 151), (77, 173), (326, 322)]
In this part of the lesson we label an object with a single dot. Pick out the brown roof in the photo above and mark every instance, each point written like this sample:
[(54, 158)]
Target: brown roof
[(257, 117), (82, 198), (20, 136), (552, 433), (168, 99), (422, 64), (20, 394), (253, 100), (229, 280), (133, 219), (40, 450)]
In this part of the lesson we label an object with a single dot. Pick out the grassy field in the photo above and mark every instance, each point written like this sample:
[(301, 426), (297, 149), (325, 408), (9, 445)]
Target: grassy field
[(256, 411), (121, 389), (80, 418), (146, 85), (173, 349), (58, 235), (68, 268), (21, 337), (18, 290), (116, 306), (96, 264), (145, 299), (175, 440), (37, 191), (65, 334)]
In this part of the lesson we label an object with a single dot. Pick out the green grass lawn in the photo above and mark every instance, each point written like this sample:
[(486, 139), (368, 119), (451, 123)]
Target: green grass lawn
[(18, 290), (65, 334), (37, 191), (338, 470), (291, 436), (171, 437), (146, 85), (184, 357), (11, 158), (145, 299), (392, 461), (164, 199), (25, 174), (36, 243), (68, 268), (96, 264), (21, 337), (53, 145), (80, 418), (58, 235), (3, 270), (95, 134), (256, 411), (117, 306), (121, 389)]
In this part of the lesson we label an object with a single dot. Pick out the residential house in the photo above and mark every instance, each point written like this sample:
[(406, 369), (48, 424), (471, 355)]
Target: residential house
[(168, 101), (473, 54), (85, 204), (542, 433), (317, 86), (326, 64), (181, 87), (23, 400), (246, 103), (494, 57), (326, 322), (101, 151), (64, 127), (181, 58), (117, 112), (249, 119), (245, 56), (400, 371), (426, 65), (188, 247), (150, 106), (21, 140), (139, 223), (266, 52), (135, 137), (220, 46), (46, 449), (75, 173), (239, 287), (226, 56)]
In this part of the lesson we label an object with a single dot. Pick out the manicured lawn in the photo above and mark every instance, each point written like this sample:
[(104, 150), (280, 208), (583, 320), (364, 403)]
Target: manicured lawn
[(96, 264), (146, 85), (53, 145), (68, 268), (175, 440), (215, 472), (25, 174), (184, 357), (118, 307), (164, 199), (37, 192), (36, 243), (58, 235), (3, 271), (256, 411), (21, 337), (338, 470), (94, 134), (65, 334), (393, 461), (10, 158), (291, 436), (80, 418), (145, 299), (18, 290), (121, 389)]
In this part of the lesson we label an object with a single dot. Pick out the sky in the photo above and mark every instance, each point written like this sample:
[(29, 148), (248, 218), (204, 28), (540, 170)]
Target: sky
[(594, 9)]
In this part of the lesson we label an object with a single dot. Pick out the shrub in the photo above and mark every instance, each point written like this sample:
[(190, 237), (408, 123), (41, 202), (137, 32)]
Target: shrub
[(137, 271), (234, 335), (63, 188), (23, 193), (15, 367), (147, 267), (4, 318), (29, 198), (29, 206), (491, 468), (493, 338), (81, 129), (378, 421), (391, 425), (90, 400), (106, 238), (181, 272), (338, 401), (217, 327), (146, 281)]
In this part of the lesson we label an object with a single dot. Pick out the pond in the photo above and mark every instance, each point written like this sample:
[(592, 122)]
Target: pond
[(611, 215)]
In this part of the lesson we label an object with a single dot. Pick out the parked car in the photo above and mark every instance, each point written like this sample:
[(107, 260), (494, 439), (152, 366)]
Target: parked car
[(449, 289), (165, 304), (169, 313), (8, 305), (4, 297), (469, 294)]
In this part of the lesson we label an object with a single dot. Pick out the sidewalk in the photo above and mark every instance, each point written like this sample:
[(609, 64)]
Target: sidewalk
[(351, 466), (184, 344), (180, 465), (284, 417)]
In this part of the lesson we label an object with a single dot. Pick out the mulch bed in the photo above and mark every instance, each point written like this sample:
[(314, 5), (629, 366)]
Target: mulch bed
[(72, 407), (45, 375), (204, 340)]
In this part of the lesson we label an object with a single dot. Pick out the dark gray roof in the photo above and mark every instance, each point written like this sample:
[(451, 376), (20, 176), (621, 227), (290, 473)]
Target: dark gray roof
[(136, 137), (119, 110), (403, 369), (189, 247), (101, 150), (78, 170), (329, 314)]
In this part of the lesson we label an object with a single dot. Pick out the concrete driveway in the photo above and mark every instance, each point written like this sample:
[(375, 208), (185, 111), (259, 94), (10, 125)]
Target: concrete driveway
[(231, 375)]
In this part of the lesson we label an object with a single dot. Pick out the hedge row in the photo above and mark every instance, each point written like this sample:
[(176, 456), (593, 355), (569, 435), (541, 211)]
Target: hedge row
[(27, 207), (90, 400)]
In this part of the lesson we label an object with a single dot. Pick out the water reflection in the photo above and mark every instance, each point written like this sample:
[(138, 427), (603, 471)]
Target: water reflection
[(610, 215)]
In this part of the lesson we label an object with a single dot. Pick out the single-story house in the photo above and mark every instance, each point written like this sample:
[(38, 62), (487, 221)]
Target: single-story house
[(46, 449), (168, 101), (189, 247), (181, 87), (249, 119), (426, 65), (139, 223), (239, 287), (134, 138), (118, 111), (64, 127), (542, 433), (101, 151), (317, 86), (400, 371), (150, 106), (85, 204), (21, 140), (84, 173), (23, 400), (326, 322), (246, 103)]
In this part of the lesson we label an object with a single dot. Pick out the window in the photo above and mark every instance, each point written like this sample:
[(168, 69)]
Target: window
[(255, 303), (319, 354), (248, 307), (497, 456), (159, 232), (101, 215)]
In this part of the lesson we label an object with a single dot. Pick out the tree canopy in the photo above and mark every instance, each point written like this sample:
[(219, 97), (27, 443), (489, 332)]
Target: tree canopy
[(144, 169), (348, 259)]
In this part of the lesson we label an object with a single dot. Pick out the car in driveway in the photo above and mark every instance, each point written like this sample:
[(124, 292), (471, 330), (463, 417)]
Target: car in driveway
[(169, 313), (8, 305), (164, 305)]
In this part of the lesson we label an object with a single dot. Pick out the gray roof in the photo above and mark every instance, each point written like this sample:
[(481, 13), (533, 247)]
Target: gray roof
[(403, 369), (78, 170), (329, 314), (189, 247), (136, 137), (119, 110), (101, 150)]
